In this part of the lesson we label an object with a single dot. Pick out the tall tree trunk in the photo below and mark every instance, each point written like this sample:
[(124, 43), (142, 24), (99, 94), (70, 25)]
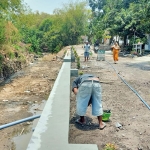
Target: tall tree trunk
[(110, 41), (125, 40)]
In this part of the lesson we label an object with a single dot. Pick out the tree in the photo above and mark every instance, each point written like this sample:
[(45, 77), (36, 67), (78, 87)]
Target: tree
[(126, 18), (96, 4), (74, 20)]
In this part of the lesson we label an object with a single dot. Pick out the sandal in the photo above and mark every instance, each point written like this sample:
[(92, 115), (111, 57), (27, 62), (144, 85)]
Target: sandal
[(102, 127), (78, 121)]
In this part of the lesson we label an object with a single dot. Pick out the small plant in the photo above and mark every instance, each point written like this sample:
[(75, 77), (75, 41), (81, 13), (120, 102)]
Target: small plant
[(78, 62), (110, 146), (76, 57), (11, 55), (16, 47), (80, 73), (73, 48), (65, 52), (75, 54), (78, 65)]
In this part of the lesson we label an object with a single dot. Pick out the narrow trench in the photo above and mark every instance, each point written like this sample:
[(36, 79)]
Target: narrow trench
[(22, 139)]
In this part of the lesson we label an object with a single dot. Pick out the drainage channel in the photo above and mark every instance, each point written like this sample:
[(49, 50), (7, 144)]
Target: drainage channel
[(22, 139)]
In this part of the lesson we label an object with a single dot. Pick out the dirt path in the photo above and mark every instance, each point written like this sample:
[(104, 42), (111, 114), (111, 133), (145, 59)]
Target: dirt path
[(127, 109), (32, 85), (27, 90)]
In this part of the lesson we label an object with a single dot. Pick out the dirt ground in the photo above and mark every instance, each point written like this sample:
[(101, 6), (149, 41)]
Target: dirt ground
[(26, 89), (33, 84), (126, 107)]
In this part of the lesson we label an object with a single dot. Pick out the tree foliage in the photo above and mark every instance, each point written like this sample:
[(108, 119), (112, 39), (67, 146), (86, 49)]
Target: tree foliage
[(41, 31), (126, 18)]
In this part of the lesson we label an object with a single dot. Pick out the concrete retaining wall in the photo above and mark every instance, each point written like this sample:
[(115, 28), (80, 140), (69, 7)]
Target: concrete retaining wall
[(52, 129)]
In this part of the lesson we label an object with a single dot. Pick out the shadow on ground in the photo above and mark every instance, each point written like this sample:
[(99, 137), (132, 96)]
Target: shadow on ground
[(140, 65), (86, 127)]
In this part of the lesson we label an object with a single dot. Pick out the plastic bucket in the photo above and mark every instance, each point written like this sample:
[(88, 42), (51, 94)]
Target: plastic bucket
[(106, 115)]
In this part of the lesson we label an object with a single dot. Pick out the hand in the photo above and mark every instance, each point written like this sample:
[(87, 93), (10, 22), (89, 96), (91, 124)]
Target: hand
[(75, 90)]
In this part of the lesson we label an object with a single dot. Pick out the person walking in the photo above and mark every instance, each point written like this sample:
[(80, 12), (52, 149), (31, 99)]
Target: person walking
[(88, 90), (115, 49), (86, 51)]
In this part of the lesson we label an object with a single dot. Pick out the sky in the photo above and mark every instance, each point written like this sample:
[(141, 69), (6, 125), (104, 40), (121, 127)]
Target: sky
[(46, 6)]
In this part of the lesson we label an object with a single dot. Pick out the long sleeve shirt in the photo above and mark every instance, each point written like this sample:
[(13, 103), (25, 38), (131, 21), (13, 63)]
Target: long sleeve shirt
[(80, 79)]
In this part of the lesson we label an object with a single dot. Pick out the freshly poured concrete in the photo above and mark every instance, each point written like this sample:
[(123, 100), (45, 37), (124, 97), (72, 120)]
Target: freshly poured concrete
[(52, 129), (67, 57), (74, 72)]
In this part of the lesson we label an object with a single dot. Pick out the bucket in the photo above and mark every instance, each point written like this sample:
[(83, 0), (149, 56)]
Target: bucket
[(106, 115)]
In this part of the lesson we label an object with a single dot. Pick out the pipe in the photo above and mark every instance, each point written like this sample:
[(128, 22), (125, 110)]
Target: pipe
[(130, 87), (19, 121)]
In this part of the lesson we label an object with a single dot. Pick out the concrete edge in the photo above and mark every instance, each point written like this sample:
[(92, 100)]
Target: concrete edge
[(53, 132)]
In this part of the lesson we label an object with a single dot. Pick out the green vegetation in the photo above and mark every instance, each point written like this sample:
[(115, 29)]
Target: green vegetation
[(64, 53), (77, 58), (1, 60), (110, 146), (78, 62), (42, 32), (80, 73), (23, 31), (123, 18)]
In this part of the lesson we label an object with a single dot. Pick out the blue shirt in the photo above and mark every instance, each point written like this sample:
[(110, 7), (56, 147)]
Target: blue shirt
[(80, 79), (86, 48)]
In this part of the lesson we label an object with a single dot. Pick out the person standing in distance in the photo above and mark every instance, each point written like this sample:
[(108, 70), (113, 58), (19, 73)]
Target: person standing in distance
[(115, 49), (86, 51)]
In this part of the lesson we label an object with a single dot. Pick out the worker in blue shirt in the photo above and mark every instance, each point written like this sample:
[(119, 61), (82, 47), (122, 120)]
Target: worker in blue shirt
[(87, 89)]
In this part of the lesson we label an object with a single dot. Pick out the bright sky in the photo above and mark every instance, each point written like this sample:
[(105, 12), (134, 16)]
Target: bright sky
[(46, 6)]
